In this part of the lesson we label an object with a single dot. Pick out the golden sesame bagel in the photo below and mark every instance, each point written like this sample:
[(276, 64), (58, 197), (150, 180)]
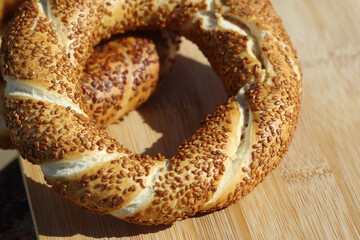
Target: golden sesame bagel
[(119, 76), (44, 52)]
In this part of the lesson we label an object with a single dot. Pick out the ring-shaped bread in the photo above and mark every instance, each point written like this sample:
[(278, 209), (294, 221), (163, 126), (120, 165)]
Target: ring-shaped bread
[(46, 48)]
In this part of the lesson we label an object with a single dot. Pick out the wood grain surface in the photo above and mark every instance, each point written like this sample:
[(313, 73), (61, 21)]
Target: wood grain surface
[(315, 192)]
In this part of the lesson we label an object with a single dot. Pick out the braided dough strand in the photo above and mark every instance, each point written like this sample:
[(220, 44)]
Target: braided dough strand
[(233, 150)]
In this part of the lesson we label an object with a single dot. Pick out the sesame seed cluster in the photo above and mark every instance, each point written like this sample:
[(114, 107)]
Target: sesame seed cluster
[(247, 46), (122, 73)]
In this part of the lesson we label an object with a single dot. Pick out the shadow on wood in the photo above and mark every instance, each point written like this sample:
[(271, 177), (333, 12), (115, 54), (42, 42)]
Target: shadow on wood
[(178, 120)]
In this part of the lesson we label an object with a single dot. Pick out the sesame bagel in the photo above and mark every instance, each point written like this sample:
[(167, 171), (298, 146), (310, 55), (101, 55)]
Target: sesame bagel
[(47, 46)]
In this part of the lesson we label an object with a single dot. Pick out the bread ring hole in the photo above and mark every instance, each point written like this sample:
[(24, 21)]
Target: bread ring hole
[(191, 91)]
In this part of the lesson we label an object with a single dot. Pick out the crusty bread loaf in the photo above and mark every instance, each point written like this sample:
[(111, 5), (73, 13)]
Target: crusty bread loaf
[(48, 45)]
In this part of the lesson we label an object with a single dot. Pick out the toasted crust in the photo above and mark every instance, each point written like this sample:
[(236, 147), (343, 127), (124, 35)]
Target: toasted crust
[(233, 150), (122, 73)]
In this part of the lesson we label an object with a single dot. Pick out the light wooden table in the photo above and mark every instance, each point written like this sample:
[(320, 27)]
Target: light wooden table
[(315, 192)]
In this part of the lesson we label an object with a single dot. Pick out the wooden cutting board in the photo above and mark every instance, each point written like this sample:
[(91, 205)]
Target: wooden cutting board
[(315, 192)]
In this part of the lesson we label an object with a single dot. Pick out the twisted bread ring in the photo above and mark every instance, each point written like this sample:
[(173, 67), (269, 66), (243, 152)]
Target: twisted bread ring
[(47, 46)]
